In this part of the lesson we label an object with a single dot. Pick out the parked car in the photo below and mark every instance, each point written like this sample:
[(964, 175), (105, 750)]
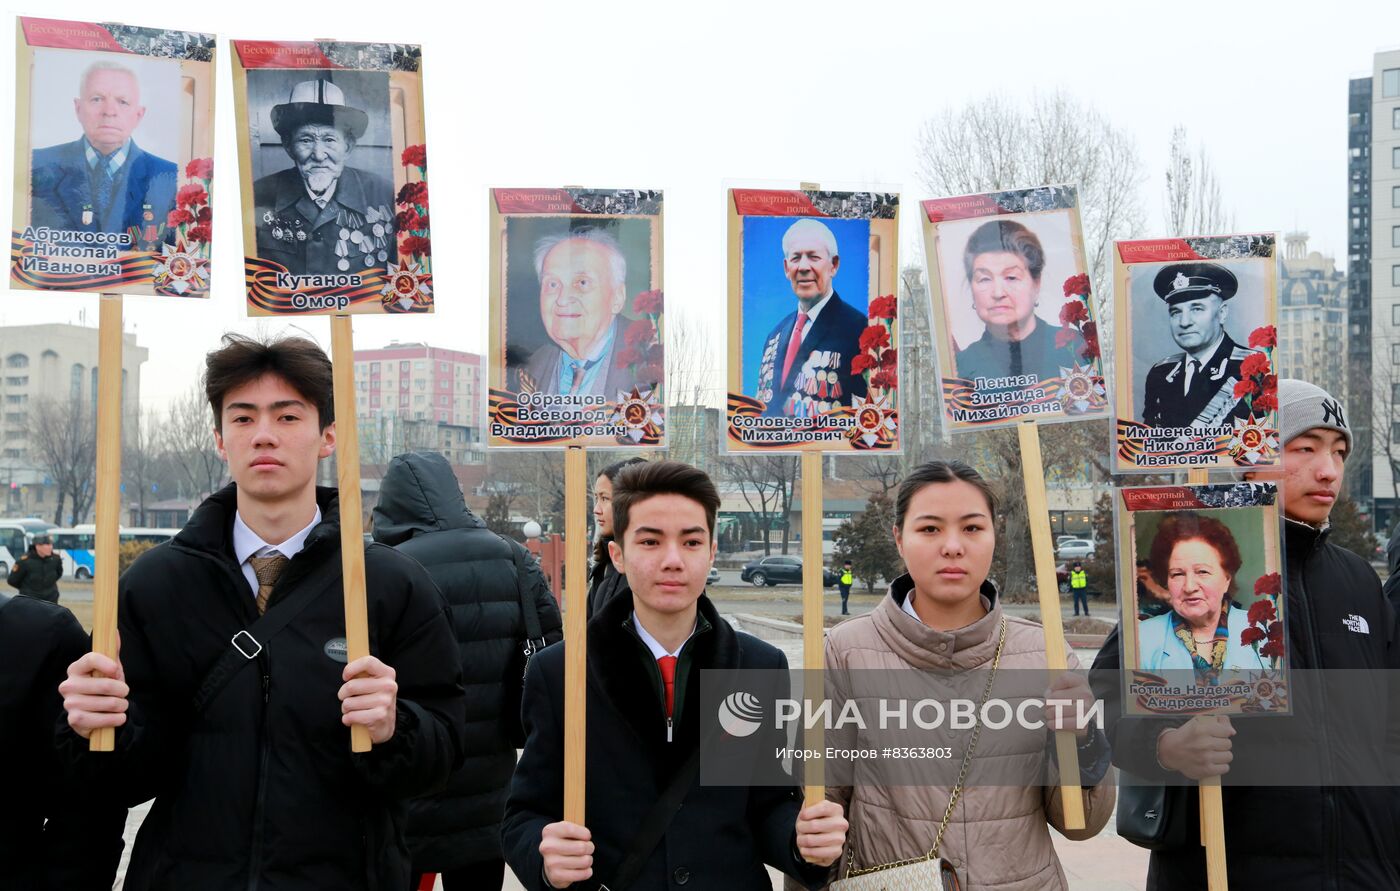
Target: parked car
[(713, 577), (1075, 549), (780, 570)]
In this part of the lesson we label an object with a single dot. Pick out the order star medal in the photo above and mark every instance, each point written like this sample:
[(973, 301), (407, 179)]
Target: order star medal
[(1081, 392), (1252, 442), (403, 290), (634, 411), (178, 269)]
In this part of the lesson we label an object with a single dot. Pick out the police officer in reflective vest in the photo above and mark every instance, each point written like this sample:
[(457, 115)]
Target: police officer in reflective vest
[(844, 583), (1079, 586)]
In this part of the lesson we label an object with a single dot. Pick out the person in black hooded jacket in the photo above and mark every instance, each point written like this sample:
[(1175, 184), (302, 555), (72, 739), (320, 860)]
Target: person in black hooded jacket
[(54, 835), (1339, 835), (485, 577), (255, 786)]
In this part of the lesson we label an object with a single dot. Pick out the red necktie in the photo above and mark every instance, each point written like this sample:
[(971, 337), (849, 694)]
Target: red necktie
[(667, 664), (794, 342)]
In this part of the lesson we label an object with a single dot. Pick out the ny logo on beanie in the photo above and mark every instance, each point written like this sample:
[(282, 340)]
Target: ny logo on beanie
[(1332, 413)]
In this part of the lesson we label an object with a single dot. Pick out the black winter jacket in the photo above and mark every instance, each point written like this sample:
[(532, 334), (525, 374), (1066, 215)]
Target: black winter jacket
[(1295, 838), (605, 583), (77, 849), (260, 791), (422, 513), (720, 838), (37, 576)]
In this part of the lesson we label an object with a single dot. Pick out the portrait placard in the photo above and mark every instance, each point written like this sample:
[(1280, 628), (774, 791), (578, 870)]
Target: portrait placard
[(813, 321), (1200, 569), (1013, 308), (114, 137), (334, 171), (1195, 327), (577, 340)]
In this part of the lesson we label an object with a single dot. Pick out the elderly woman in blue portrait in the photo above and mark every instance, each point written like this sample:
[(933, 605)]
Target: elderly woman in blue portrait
[(1197, 560)]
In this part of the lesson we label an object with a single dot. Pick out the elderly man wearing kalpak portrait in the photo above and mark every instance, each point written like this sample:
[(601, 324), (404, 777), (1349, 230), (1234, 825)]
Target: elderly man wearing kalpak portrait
[(103, 181), (1196, 388), (583, 290), (322, 216)]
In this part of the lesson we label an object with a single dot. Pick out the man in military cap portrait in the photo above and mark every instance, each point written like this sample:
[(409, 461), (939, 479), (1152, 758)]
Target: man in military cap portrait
[(1196, 387), (322, 216)]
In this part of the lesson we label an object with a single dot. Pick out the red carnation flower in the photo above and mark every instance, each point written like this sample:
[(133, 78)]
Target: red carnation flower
[(651, 373), (416, 246), (1254, 364), (1263, 338), (1273, 649), (1275, 631), (884, 380), (200, 168), (628, 356), (1267, 402), (639, 333), (408, 219), (1268, 383), (1064, 337), (1246, 388), (863, 363), (1077, 285), (414, 193), (191, 196), (883, 307), (1268, 584), (875, 337), (205, 215), (889, 359), (1091, 341), (179, 217), (1251, 636), (649, 303), (415, 156), (1262, 612), (201, 234), (1074, 312)]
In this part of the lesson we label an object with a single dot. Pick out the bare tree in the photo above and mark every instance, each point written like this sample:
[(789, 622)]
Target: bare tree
[(187, 437), (766, 482), (63, 439), (140, 459), (1385, 411), (1194, 205), (996, 143)]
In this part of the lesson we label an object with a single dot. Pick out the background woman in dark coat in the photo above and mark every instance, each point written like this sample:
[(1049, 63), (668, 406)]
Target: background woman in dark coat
[(421, 511)]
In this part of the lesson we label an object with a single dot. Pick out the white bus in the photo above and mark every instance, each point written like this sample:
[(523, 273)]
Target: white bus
[(75, 545)]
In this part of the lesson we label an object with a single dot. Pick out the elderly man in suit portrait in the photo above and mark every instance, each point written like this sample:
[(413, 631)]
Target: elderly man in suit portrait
[(322, 216), (583, 290), (805, 367), (103, 181)]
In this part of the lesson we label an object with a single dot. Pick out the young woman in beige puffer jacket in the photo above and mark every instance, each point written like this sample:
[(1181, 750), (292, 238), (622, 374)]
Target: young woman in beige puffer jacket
[(944, 615)]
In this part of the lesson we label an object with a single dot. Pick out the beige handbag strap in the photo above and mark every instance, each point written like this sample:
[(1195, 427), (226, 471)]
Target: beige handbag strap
[(962, 775)]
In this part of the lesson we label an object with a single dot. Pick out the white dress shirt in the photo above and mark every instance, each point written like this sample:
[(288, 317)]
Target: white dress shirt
[(246, 543)]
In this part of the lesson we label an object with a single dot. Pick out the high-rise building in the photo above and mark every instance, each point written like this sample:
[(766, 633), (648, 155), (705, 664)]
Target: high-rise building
[(415, 396), (1359, 286), (1312, 318), (1383, 197), (51, 368)]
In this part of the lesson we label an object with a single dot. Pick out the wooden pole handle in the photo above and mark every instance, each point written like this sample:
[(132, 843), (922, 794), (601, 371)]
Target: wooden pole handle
[(109, 479), (575, 632), (352, 543), (813, 620), (1048, 588)]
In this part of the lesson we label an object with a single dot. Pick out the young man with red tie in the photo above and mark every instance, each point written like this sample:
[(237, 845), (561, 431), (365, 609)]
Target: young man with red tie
[(645, 655)]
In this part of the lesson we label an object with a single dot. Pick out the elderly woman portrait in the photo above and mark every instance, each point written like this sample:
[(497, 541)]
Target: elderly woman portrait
[(1198, 562), (1003, 262)]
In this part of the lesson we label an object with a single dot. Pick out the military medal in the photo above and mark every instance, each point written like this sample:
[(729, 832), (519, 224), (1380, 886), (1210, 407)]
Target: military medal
[(87, 214)]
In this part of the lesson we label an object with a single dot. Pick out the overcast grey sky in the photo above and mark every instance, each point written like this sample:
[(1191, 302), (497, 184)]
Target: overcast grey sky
[(690, 98)]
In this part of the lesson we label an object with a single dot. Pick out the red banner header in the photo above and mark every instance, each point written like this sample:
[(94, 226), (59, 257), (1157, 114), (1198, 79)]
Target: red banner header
[(281, 54), (1162, 498), (69, 35), (967, 207), (534, 201), (774, 203), (1158, 250)]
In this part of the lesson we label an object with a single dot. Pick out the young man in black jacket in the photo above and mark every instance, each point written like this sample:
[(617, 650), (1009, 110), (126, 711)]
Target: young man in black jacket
[(1298, 837), (54, 834), (255, 785), (36, 574), (645, 654), (489, 582)]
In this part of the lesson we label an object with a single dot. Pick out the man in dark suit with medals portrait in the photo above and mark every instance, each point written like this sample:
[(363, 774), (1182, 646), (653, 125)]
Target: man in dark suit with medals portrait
[(805, 366)]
